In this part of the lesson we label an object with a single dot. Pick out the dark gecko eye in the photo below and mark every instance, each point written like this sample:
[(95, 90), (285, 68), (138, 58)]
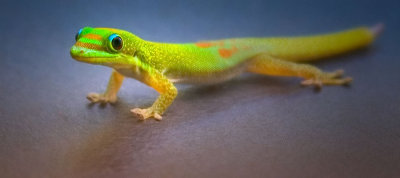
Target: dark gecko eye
[(78, 34), (116, 42)]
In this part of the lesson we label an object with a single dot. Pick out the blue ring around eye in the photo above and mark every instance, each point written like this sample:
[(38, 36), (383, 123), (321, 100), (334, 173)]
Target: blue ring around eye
[(78, 34), (111, 37)]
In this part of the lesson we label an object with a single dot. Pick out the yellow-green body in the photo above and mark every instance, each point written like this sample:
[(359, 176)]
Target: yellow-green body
[(159, 65)]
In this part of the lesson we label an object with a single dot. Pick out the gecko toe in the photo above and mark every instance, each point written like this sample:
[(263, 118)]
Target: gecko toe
[(144, 114), (93, 97)]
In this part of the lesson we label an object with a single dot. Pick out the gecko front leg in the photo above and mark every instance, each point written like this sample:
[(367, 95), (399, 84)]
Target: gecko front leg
[(110, 95), (167, 92)]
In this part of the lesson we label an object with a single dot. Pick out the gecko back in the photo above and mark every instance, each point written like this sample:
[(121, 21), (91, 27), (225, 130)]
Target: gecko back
[(304, 48)]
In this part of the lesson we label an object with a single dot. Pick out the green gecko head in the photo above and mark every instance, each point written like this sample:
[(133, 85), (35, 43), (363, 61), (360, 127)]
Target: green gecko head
[(105, 46)]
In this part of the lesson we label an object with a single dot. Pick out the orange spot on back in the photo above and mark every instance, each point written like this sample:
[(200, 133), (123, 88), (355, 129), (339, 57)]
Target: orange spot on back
[(226, 53), (223, 52), (204, 44)]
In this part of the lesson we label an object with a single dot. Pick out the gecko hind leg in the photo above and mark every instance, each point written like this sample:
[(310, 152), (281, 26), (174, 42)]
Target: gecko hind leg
[(267, 65)]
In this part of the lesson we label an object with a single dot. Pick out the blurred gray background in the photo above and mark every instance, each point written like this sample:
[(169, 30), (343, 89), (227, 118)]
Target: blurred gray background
[(252, 126)]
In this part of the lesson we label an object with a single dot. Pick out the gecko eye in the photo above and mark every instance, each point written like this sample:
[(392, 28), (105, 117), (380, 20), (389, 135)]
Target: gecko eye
[(115, 42), (78, 34)]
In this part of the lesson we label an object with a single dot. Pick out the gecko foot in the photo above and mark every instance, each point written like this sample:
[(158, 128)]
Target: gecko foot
[(319, 83), (146, 113), (333, 78), (100, 98)]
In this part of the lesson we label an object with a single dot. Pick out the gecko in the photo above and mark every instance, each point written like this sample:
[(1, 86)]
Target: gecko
[(161, 65)]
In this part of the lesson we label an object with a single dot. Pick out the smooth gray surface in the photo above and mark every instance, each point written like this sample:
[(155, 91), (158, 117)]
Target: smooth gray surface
[(252, 126)]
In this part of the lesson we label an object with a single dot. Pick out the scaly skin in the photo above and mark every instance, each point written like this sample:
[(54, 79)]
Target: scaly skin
[(159, 65)]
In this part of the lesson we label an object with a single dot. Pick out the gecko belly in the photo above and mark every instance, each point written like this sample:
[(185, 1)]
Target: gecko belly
[(207, 77)]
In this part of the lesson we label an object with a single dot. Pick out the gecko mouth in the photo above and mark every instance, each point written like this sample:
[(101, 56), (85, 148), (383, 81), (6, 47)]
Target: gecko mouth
[(88, 53), (91, 56)]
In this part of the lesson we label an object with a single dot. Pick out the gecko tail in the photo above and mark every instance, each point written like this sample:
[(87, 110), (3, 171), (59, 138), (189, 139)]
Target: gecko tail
[(377, 29), (309, 48)]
